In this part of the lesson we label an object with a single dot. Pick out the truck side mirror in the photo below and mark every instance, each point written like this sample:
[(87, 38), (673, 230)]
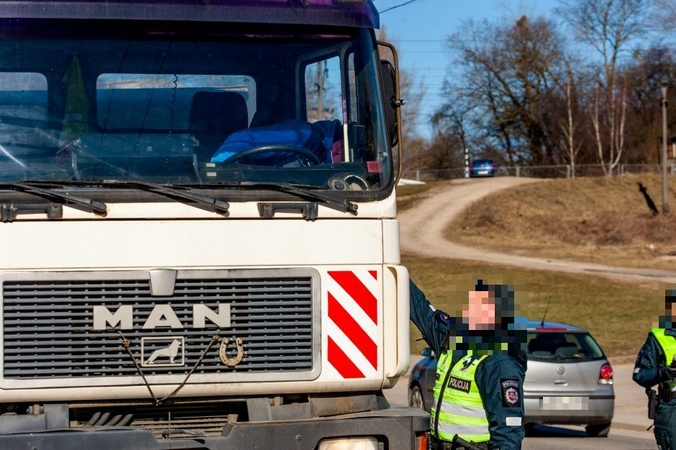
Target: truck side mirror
[(390, 99)]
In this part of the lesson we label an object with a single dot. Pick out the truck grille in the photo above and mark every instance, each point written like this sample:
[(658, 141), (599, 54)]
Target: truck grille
[(48, 327)]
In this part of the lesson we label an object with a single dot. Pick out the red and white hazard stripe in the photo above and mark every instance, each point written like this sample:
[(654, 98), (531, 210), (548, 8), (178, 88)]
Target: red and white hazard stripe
[(353, 323)]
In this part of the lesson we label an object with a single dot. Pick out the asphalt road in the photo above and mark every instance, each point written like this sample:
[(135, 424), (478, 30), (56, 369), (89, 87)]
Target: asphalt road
[(630, 421), (561, 439)]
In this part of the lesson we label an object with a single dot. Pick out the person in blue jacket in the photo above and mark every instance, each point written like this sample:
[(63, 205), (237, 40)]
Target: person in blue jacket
[(478, 394), (655, 366)]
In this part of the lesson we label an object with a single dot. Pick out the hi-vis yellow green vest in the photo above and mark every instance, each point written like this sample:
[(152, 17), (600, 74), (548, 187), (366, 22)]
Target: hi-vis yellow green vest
[(668, 344), (462, 411)]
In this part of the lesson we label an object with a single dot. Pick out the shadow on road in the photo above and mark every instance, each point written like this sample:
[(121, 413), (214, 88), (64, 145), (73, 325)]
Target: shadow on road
[(552, 431)]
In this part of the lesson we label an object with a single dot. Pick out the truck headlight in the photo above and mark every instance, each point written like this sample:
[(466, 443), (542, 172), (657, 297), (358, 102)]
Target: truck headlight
[(360, 443)]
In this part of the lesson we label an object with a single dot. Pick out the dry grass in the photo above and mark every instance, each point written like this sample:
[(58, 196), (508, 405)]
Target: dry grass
[(408, 195), (602, 220), (619, 314)]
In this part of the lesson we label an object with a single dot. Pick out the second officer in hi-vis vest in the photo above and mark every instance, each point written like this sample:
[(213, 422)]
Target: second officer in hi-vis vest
[(478, 394), (655, 366)]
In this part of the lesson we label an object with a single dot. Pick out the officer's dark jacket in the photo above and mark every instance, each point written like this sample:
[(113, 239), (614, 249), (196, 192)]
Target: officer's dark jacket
[(501, 366), (649, 360)]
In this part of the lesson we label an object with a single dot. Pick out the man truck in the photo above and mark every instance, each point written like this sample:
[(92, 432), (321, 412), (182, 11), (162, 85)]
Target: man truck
[(198, 207)]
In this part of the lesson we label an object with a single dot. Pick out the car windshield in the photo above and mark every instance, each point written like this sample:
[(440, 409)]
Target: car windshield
[(212, 107), (483, 162), (562, 346)]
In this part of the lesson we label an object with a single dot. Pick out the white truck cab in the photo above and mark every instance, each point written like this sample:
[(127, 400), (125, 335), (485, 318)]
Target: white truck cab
[(198, 211)]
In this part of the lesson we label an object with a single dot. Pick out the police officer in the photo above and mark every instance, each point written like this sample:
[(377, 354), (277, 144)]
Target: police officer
[(654, 367), (478, 393)]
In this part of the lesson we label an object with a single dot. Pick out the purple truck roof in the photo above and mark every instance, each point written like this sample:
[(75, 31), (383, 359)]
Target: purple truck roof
[(350, 13)]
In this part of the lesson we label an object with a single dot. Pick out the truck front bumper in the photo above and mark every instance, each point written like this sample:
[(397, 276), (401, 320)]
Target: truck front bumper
[(396, 428)]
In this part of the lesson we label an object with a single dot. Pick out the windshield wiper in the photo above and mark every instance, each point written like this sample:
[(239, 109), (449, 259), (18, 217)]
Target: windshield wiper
[(190, 198), (329, 200), (203, 201), (65, 198), (219, 206)]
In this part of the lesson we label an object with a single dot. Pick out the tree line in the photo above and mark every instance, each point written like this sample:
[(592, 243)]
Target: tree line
[(580, 87)]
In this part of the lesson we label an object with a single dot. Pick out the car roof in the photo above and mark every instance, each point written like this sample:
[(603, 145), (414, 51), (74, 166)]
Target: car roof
[(541, 326)]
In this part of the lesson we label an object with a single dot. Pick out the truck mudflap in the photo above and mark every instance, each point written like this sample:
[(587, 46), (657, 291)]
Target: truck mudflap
[(395, 428)]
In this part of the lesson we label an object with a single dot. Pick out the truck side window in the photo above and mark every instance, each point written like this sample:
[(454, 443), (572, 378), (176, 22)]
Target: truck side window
[(323, 102), (28, 135), (23, 97)]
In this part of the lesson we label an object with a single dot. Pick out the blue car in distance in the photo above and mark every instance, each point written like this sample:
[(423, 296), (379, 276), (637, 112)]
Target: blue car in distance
[(482, 167)]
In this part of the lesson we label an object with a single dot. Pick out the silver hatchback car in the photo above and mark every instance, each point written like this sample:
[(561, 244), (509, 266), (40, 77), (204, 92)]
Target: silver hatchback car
[(569, 380)]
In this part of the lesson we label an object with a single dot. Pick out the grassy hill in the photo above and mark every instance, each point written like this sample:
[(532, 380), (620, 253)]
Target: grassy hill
[(602, 220)]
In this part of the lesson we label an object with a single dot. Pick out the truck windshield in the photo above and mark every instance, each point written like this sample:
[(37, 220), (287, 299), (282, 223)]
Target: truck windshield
[(166, 103)]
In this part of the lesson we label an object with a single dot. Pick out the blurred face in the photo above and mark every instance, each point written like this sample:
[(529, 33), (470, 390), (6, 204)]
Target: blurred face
[(479, 312)]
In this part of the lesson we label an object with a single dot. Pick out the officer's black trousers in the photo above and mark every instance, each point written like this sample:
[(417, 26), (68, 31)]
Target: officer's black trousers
[(665, 425)]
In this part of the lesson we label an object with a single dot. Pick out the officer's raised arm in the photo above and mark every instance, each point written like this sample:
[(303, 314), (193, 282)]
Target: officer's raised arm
[(434, 324)]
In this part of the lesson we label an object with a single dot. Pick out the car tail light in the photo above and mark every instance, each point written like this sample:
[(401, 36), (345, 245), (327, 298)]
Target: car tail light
[(606, 374)]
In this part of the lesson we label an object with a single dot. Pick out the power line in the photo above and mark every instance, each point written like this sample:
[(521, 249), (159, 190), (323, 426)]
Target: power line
[(421, 40), (397, 6)]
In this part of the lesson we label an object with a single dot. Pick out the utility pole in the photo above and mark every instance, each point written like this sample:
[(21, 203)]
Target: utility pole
[(664, 103), (466, 162), (320, 90)]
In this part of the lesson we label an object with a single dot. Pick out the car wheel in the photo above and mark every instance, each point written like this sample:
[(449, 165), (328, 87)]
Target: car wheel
[(415, 398), (598, 429)]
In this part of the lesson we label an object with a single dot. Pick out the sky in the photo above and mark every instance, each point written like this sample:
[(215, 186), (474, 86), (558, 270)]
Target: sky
[(419, 29)]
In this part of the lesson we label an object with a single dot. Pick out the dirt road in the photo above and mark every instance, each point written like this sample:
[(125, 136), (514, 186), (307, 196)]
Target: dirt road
[(422, 229)]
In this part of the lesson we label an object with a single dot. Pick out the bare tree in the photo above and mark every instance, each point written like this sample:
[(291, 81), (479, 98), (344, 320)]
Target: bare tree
[(507, 74), (667, 14), (570, 127), (608, 26), (644, 75)]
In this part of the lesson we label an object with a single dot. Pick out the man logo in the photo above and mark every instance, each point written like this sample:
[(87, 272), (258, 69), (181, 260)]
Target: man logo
[(162, 316)]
